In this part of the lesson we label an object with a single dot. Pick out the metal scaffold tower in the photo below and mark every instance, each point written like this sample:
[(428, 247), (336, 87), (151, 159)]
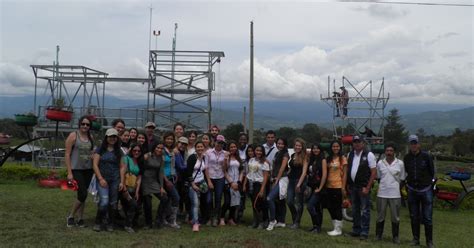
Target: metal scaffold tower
[(357, 108), (77, 89), (179, 80)]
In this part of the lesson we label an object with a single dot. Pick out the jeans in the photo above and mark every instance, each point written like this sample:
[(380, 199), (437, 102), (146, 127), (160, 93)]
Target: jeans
[(216, 197), (421, 206), (226, 206), (108, 197), (194, 198), (184, 203), (295, 200), (360, 211), (277, 207), (315, 209), (259, 206)]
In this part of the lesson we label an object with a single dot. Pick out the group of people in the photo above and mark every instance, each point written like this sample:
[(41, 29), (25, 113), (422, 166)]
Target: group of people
[(191, 173)]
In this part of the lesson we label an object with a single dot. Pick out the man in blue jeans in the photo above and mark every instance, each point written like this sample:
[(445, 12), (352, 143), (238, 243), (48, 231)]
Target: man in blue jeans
[(421, 173), (362, 173)]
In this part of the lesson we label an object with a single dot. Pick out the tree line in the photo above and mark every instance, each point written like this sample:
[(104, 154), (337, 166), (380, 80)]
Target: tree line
[(459, 143)]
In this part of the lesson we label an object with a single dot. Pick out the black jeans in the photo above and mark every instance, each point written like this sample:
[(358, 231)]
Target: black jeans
[(129, 205), (315, 208), (334, 203), (260, 208), (226, 206), (164, 204)]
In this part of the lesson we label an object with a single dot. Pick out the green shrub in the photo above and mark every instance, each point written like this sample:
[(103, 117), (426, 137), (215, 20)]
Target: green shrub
[(27, 172)]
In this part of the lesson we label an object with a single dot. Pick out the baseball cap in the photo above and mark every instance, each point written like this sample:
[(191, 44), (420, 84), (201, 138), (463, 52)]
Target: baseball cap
[(413, 138), (150, 124), (220, 138), (357, 138), (111, 132), (183, 140)]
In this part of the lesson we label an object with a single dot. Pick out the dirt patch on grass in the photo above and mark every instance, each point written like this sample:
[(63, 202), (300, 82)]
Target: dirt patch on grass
[(252, 243)]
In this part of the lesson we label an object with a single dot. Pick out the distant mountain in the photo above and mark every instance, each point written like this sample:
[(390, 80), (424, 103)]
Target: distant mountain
[(438, 119), (440, 122)]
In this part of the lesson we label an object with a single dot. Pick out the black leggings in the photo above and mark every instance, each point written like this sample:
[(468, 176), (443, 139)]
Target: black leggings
[(83, 179), (164, 204), (334, 203), (226, 206)]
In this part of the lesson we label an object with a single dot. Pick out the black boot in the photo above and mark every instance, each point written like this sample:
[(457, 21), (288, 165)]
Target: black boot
[(415, 230), (429, 236), (395, 230), (379, 230)]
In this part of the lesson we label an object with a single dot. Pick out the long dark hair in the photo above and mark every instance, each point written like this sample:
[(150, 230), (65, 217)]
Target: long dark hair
[(89, 136), (236, 155), (279, 155), (117, 150), (316, 158), (145, 144), (247, 157), (264, 156), (331, 154)]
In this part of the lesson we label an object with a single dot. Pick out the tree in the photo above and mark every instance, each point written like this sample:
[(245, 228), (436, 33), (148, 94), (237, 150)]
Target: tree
[(287, 133), (394, 130), (232, 131), (311, 133)]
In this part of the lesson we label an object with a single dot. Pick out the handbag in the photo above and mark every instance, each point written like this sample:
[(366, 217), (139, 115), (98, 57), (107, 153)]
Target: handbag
[(130, 179)]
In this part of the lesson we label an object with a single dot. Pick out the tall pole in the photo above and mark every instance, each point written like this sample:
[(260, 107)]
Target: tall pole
[(251, 86), (245, 119), (149, 73), (173, 58)]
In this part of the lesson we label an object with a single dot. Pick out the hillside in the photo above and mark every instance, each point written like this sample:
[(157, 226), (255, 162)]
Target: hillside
[(440, 122), (273, 115)]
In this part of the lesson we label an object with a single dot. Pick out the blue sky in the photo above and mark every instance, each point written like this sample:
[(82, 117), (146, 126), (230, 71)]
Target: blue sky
[(425, 53)]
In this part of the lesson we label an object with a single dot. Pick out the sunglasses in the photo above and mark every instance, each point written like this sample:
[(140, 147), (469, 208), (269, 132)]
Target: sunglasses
[(136, 150), (85, 124)]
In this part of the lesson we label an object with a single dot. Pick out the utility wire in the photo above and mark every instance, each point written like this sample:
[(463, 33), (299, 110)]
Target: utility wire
[(413, 3)]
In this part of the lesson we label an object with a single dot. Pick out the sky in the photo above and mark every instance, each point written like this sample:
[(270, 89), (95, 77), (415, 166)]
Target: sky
[(423, 53)]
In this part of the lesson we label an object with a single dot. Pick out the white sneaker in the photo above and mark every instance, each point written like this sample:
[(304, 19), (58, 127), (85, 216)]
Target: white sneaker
[(271, 225), (280, 224)]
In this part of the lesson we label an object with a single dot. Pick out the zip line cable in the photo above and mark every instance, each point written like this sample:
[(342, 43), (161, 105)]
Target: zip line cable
[(412, 3)]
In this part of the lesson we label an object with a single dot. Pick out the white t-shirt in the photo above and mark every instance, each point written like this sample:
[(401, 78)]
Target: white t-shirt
[(199, 172), (270, 152), (390, 176), (233, 170), (255, 170), (356, 161), (242, 154)]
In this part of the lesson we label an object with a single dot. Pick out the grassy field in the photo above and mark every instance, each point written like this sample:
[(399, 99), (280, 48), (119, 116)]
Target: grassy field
[(33, 216)]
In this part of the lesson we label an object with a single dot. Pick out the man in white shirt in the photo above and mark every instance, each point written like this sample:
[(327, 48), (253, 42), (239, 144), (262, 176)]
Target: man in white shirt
[(362, 173), (270, 147), (391, 173)]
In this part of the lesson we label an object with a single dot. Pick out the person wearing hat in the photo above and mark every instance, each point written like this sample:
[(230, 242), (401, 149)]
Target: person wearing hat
[(215, 159), (106, 165), (150, 134), (344, 100), (421, 176), (362, 172)]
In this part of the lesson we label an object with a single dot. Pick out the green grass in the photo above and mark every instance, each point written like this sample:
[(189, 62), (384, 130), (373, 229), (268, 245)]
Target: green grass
[(33, 216)]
